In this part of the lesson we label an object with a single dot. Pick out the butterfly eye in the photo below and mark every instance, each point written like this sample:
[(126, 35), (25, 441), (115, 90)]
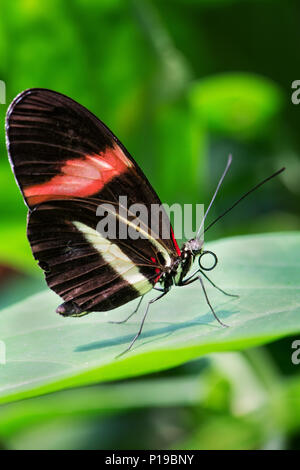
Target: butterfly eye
[(209, 267)]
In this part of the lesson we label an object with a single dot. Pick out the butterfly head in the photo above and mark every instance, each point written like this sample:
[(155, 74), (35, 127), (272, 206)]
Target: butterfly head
[(193, 246), (194, 249)]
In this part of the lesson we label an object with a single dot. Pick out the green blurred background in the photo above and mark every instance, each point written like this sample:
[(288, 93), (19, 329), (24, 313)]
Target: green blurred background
[(182, 83)]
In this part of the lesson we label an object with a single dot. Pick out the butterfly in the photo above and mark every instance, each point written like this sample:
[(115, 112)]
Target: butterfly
[(66, 163)]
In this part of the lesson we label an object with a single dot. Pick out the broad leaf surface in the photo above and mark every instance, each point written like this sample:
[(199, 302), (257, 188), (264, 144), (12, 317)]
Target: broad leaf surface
[(45, 352)]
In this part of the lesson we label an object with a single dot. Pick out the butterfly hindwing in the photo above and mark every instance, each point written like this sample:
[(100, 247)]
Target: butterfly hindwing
[(84, 267)]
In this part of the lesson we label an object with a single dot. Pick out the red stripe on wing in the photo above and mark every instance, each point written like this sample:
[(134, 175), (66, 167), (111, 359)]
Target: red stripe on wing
[(80, 177)]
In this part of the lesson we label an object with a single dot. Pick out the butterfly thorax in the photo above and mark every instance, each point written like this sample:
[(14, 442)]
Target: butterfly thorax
[(182, 265)]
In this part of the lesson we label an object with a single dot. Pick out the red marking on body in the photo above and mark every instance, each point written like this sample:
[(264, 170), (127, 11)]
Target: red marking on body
[(80, 177), (175, 243)]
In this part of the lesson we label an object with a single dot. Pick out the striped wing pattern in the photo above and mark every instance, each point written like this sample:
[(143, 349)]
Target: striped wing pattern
[(82, 266)]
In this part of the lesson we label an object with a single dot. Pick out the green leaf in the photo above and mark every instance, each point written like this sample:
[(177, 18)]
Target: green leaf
[(46, 352)]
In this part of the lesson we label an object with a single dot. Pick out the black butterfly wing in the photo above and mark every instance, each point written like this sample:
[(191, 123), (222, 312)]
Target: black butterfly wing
[(88, 271), (66, 163)]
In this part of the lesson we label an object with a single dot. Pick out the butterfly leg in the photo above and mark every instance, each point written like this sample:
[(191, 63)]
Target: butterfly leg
[(218, 288), (143, 321), (129, 316), (190, 281), (209, 304)]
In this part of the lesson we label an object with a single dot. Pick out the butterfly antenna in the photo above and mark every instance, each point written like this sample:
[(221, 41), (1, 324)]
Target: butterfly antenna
[(214, 196), (243, 197)]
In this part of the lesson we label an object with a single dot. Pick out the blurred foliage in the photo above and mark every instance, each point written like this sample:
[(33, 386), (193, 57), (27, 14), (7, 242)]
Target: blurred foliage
[(236, 105), (182, 84)]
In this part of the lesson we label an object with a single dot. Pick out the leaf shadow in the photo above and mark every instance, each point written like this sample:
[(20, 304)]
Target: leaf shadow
[(166, 331)]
